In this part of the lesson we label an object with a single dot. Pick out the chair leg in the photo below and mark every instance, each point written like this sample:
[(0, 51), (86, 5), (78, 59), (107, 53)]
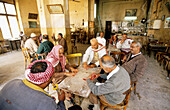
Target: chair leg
[(135, 87), (101, 106), (124, 108), (25, 63)]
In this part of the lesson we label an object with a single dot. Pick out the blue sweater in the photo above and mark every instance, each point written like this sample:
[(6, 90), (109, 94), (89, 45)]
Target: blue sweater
[(15, 95)]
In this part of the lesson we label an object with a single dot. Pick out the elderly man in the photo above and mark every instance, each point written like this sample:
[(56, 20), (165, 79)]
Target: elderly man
[(29, 94), (135, 63), (93, 54), (124, 44), (31, 45), (45, 47), (111, 91), (62, 41), (101, 39)]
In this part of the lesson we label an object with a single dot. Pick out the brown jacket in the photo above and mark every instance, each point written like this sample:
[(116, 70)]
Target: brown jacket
[(135, 67), (63, 43)]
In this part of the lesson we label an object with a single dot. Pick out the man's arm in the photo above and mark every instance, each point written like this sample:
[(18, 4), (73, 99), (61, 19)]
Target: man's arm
[(86, 55), (119, 45), (40, 49), (35, 46), (105, 88)]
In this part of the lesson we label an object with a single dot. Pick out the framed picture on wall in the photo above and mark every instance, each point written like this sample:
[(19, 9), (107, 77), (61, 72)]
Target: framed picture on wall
[(55, 9), (130, 12), (32, 24), (32, 16)]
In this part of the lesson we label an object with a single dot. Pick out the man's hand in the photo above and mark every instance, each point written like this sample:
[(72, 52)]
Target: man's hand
[(85, 65), (73, 70), (61, 95), (93, 76), (91, 66), (69, 74)]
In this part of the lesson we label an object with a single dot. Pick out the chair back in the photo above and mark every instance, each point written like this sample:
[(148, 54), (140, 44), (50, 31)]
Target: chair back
[(118, 106), (127, 93), (25, 53), (71, 58)]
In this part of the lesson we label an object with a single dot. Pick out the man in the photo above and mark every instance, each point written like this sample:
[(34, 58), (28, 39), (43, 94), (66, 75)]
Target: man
[(62, 41), (29, 94), (101, 39), (124, 44), (23, 38), (31, 45), (136, 63), (45, 47), (93, 54), (111, 91)]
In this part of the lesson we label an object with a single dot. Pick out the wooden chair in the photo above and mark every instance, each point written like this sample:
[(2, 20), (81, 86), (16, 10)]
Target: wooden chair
[(119, 106), (5, 45), (134, 84), (159, 54), (71, 59), (27, 56), (119, 54)]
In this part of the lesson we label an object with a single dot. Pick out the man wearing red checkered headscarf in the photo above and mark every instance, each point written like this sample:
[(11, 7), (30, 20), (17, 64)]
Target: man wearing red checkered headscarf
[(29, 94)]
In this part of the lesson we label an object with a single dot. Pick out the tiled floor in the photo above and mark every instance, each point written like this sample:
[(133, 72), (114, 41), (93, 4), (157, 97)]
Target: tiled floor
[(153, 89)]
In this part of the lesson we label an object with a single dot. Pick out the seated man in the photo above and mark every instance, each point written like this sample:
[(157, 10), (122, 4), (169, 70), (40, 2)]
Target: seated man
[(93, 54), (135, 63), (45, 47), (31, 45), (101, 39), (124, 44), (29, 94), (111, 91)]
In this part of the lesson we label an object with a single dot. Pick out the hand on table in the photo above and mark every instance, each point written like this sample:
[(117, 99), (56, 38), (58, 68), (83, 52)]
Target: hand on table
[(70, 74), (85, 66), (93, 76), (61, 95)]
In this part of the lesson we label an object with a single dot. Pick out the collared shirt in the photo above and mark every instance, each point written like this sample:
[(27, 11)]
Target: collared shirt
[(31, 46), (126, 44), (89, 55), (135, 55), (113, 72), (101, 41)]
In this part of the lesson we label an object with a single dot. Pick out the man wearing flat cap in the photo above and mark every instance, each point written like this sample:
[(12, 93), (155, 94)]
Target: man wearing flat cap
[(31, 45), (29, 94)]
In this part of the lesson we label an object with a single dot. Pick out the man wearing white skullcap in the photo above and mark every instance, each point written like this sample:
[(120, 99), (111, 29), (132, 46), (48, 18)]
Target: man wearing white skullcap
[(31, 45)]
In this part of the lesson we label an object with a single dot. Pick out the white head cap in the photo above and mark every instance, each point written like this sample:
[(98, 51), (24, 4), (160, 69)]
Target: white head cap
[(33, 35)]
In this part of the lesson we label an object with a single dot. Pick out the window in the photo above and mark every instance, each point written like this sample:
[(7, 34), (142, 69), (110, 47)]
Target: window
[(8, 21)]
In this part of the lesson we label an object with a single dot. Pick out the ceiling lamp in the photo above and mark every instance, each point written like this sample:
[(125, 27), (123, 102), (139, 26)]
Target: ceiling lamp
[(130, 18)]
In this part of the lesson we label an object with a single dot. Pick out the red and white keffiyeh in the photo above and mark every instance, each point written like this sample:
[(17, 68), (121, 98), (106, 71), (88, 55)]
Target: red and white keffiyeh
[(39, 78), (54, 58)]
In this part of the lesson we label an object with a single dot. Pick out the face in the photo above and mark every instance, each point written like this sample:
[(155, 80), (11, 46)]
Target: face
[(34, 38), (101, 34), (124, 36), (59, 36), (61, 52), (94, 45), (134, 49)]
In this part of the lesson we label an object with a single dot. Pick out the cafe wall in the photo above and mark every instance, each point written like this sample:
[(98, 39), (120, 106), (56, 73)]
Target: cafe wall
[(160, 12), (26, 7), (114, 10)]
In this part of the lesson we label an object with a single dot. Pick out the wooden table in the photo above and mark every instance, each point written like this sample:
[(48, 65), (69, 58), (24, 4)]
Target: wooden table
[(155, 48), (76, 84), (15, 41)]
